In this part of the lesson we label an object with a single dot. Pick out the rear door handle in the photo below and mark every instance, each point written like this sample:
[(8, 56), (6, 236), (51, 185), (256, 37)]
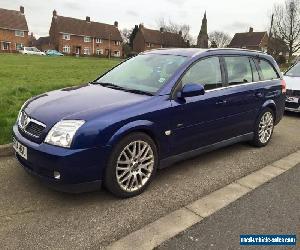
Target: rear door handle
[(221, 102)]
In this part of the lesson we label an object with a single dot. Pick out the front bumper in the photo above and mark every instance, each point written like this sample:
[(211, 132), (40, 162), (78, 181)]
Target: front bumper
[(80, 169), (291, 106)]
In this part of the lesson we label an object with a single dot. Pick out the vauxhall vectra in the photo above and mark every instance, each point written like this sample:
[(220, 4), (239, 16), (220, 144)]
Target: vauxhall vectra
[(146, 113)]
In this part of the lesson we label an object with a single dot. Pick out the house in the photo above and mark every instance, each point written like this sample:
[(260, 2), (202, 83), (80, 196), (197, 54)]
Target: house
[(250, 40), (202, 39), (146, 39), (13, 30), (84, 37), (43, 43)]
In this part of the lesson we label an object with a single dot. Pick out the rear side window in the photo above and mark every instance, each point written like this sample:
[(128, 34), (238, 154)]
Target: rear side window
[(267, 72), (206, 71), (238, 70)]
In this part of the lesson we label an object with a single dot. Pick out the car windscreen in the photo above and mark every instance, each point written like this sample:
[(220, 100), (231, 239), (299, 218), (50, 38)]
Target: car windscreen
[(145, 72), (294, 71)]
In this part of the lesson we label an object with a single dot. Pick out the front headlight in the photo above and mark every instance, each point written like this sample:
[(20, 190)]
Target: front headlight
[(63, 132)]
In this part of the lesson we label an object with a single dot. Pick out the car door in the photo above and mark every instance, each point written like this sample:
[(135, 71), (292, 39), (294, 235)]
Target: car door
[(198, 121), (241, 97)]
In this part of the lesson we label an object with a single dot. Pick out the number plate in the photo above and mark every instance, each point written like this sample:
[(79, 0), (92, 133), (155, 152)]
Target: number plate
[(292, 99), (20, 149)]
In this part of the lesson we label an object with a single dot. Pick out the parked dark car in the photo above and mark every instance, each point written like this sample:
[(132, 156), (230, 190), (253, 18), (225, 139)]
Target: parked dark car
[(292, 78), (148, 112)]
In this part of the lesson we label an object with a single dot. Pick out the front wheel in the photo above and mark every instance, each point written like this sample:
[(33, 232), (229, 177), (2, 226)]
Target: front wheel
[(264, 128), (131, 166)]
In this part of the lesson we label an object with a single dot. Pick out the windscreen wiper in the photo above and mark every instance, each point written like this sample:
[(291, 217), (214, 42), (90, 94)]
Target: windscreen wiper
[(114, 86)]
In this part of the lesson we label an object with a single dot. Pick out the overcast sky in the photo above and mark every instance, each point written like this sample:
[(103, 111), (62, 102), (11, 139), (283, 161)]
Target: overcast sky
[(227, 15)]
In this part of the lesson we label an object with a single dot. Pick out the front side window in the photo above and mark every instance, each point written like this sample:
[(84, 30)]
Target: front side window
[(238, 70), (146, 73), (19, 33), (266, 70), (294, 71), (206, 72)]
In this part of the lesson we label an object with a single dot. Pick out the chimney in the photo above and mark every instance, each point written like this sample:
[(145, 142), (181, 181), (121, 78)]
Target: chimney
[(22, 9), (88, 19), (250, 30), (141, 26), (116, 24), (54, 13), (180, 32), (161, 29)]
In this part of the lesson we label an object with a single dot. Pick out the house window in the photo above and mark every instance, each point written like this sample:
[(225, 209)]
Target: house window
[(19, 46), (99, 52), (117, 42), (117, 53), (87, 39), (19, 33), (5, 45), (86, 51), (148, 45), (98, 40), (66, 36), (67, 49)]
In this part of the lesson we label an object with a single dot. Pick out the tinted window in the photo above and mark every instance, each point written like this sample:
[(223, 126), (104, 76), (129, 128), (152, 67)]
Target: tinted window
[(294, 71), (239, 70), (266, 70), (206, 72)]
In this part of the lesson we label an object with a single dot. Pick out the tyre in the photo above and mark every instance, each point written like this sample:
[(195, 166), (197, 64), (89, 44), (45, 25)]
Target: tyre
[(131, 166), (264, 128)]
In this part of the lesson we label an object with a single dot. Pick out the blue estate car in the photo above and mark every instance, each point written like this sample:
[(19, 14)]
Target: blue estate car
[(146, 113)]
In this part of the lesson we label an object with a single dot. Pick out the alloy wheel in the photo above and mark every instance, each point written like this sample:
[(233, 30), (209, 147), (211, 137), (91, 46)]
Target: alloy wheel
[(135, 165), (265, 129)]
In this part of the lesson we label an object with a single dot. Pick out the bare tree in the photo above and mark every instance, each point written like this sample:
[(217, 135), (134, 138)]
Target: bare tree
[(126, 33), (220, 38), (173, 27), (287, 24)]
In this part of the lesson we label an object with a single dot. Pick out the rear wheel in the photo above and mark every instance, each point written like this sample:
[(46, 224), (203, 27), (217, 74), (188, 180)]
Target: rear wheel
[(264, 128), (132, 165)]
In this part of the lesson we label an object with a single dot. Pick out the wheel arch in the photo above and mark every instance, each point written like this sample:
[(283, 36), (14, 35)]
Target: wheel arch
[(272, 105)]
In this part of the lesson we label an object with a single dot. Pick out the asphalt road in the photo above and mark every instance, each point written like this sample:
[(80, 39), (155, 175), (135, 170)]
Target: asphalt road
[(33, 216), (273, 208)]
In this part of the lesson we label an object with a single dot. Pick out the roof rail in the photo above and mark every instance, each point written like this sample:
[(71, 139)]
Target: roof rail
[(238, 49)]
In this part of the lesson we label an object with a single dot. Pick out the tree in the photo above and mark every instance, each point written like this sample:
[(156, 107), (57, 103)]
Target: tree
[(287, 25), (173, 27), (126, 33), (220, 38)]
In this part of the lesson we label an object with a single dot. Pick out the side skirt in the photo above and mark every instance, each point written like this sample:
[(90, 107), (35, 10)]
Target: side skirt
[(186, 155)]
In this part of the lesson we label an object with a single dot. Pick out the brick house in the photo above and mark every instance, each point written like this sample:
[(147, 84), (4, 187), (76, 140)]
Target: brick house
[(84, 37), (250, 40), (13, 30), (146, 39)]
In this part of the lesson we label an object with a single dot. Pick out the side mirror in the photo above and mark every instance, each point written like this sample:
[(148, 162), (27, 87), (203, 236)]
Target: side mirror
[(190, 90)]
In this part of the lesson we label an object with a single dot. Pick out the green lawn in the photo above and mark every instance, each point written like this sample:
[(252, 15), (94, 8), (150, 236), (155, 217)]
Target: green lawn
[(22, 77)]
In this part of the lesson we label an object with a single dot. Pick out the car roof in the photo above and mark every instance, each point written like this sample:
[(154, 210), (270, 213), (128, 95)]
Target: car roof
[(193, 52)]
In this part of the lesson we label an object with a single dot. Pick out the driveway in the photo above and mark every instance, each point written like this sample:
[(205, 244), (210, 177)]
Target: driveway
[(33, 216)]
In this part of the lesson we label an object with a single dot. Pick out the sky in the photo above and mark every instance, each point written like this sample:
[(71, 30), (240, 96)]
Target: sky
[(230, 16)]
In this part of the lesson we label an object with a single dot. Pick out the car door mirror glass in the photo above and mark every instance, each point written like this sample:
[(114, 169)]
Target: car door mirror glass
[(191, 89)]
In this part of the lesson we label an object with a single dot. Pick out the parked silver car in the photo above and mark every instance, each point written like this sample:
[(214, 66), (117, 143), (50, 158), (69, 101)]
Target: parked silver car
[(292, 79), (31, 51)]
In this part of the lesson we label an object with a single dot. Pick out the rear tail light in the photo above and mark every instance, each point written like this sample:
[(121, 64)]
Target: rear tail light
[(283, 86)]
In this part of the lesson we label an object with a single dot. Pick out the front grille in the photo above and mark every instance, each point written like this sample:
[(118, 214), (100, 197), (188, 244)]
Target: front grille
[(293, 93), (30, 126), (292, 105), (34, 129)]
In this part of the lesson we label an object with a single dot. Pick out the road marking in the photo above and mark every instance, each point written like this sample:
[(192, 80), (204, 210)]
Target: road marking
[(155, 233)]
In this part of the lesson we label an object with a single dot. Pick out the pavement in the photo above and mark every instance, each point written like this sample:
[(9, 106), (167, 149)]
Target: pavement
[(273, 208), (35, 217)]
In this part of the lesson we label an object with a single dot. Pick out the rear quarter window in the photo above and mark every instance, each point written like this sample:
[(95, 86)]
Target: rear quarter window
[(267, 71)]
